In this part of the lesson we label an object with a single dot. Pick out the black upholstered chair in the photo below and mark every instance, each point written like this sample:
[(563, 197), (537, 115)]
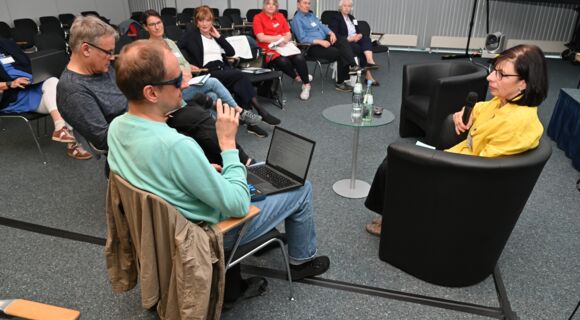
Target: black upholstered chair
[(447, 217), (432, 91)]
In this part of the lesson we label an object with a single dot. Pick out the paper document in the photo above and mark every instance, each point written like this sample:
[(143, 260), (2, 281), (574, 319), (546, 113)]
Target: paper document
[(199, 80), (289, 49), (241, 45), (424, 145)]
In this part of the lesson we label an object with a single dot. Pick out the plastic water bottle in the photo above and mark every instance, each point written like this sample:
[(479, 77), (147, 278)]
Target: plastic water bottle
[(367, 112), (356, 114)]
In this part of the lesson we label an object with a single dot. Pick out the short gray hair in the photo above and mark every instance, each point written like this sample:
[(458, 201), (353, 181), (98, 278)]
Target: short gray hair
[(343, 2), (88, 29)]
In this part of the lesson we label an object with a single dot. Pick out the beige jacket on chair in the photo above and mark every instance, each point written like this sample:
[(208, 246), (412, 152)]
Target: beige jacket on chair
[(180, 264)]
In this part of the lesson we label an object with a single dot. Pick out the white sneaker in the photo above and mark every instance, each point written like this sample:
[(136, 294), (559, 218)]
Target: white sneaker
[(305, 94)]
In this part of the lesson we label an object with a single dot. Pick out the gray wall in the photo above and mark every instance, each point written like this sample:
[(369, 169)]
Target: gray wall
[(530, 21), (115, 10)]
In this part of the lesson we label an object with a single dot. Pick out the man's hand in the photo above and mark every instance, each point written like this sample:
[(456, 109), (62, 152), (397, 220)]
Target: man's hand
[(226, 125), (460, 127), (322, 43), (217, 167), (186, 77), (332, 38), (21, 83)]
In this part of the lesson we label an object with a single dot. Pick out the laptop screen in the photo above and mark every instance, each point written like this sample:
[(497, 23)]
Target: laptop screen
[(290, 153)]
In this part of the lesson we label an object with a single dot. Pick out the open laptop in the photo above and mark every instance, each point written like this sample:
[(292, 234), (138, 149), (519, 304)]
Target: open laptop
[(286, 165)]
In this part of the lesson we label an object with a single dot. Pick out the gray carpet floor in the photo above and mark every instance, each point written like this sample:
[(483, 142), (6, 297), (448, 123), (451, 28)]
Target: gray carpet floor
[(540, 264)]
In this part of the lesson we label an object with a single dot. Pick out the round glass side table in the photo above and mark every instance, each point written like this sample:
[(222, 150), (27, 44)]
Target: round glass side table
[(340, 114)]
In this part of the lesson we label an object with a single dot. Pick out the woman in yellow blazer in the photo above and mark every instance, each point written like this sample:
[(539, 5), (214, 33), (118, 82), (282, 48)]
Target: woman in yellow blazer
[(505, 125)]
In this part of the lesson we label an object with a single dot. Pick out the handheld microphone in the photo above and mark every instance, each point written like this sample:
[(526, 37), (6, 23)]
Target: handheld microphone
[(469, 103)]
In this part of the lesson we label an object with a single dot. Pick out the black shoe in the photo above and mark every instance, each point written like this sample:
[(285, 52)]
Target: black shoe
[(371, 66), (312, 268), (354, 69), (270, 119), (343, 87), (257, 131), (255, 286)]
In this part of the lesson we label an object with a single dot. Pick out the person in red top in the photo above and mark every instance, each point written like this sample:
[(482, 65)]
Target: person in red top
[(270, 26)]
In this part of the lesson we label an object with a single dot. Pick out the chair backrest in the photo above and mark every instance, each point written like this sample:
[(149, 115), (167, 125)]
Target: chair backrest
[(188, 12), (229, 11), (447, 217), (215, 11), (27, 24), (173, 32), (327, 16), (49, 21), (5, 30), (52, 28), (236, 19), (168, 20), (251, 13), (364, 28), (225, 22), (49, 41), (137, 15), (23, 37), (121, 42), (48, 63), (66, 19), (169, 11), (90, 13), (284, 12)]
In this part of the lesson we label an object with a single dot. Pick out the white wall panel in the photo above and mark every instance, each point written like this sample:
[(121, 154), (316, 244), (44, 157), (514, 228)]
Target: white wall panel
[(524, 20)]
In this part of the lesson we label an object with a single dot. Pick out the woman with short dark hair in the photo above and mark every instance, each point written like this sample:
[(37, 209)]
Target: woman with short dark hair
[(507, 124)]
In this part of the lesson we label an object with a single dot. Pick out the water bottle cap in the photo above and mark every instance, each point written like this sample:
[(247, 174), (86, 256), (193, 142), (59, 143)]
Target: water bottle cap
[(369, 82)]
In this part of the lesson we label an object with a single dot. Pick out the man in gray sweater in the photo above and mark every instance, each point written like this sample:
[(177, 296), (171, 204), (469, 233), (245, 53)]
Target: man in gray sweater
[(89, 99)]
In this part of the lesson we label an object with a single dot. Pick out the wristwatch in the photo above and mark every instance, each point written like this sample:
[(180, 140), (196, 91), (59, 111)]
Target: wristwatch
[(9, 84)]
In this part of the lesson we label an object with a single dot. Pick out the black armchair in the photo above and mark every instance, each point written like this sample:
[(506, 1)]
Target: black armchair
[(447, 217), (432, 91)]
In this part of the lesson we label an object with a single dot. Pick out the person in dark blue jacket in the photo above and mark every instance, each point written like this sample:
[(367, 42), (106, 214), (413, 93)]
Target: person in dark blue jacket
[(344, 24)]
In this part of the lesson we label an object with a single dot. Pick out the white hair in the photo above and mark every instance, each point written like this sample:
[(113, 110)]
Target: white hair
[(343, 2)]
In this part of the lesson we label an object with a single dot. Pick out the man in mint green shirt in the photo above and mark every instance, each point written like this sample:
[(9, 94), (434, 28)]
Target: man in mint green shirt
[(154, 157)]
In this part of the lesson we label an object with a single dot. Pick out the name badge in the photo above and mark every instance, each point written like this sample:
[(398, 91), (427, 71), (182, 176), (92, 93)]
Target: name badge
[(7, 60), (275, 24), (355, 22), (313, 24)]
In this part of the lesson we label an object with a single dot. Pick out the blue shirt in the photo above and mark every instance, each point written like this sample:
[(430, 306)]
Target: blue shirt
[(154, 157), (307, 27)]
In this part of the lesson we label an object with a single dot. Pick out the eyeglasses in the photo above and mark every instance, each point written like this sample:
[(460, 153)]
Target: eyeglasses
[(499, 74), (109, 53), (175, 82), (154, 24)]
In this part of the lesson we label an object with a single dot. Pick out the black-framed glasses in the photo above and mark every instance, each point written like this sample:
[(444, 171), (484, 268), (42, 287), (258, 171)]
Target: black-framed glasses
[(174, 82), (499, 74), (109, 53), (155, 24)]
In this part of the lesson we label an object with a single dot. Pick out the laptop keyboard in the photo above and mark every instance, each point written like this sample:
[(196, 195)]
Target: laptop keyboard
[(276, 179)]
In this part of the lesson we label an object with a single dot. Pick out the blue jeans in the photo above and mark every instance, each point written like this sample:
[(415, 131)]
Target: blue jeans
[(295, 209), (212, 85)]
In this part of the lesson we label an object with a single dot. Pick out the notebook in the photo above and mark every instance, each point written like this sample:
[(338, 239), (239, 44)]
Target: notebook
[(286, 165)]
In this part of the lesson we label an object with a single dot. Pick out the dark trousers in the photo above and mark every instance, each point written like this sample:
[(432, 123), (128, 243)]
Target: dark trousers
[(376, 199), (238, 83), (197, 123), (340, 51), (292, 66), (358, 48)]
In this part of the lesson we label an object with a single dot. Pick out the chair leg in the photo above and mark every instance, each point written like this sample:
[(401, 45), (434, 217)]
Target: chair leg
[(287, 264), (35, 140), (319, 66), (280, 98), (388, 60)]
